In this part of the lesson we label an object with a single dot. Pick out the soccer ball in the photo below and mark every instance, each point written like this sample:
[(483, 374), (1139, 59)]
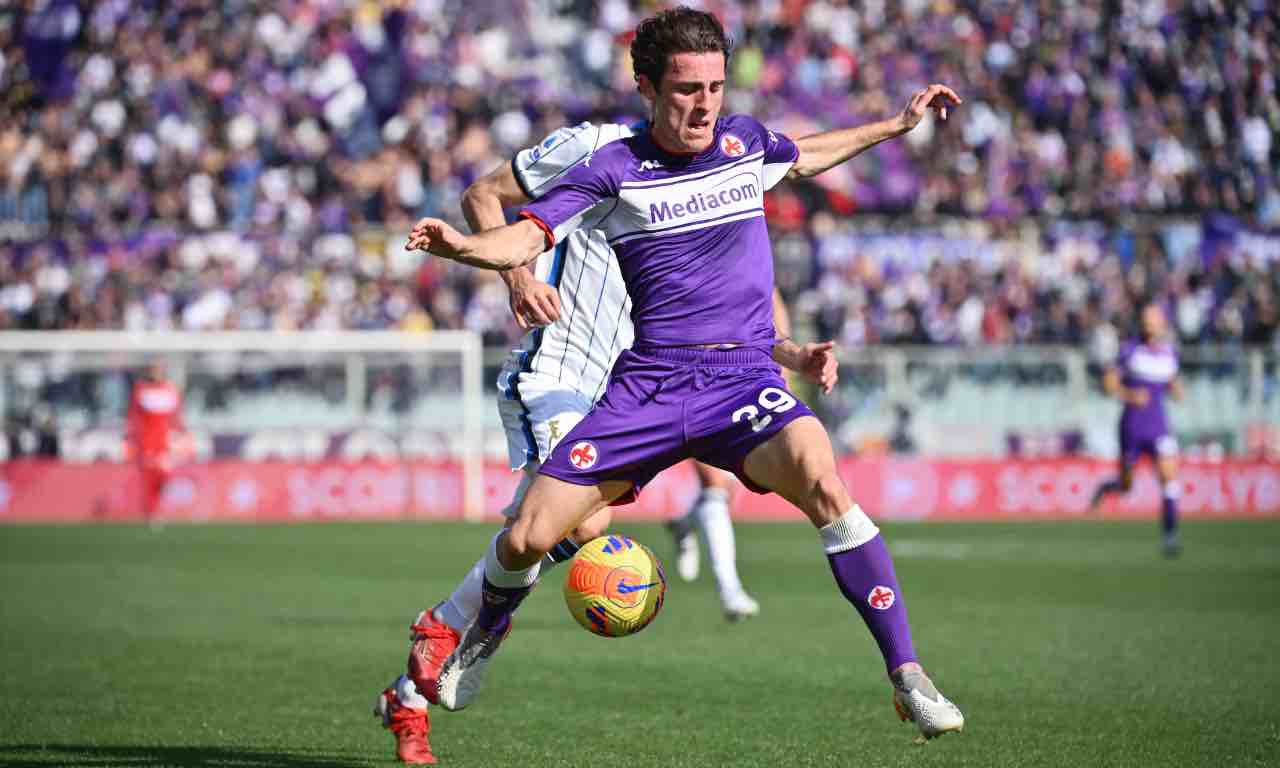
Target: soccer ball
[(615, 586)]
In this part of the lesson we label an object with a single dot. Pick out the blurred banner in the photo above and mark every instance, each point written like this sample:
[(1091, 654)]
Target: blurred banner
[(239, 491)]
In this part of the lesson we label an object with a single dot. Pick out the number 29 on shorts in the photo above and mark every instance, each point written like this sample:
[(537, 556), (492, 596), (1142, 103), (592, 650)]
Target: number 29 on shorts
[(771, 400)]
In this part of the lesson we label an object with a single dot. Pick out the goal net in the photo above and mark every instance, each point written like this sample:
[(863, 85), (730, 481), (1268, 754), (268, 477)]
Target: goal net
[(302, 425)]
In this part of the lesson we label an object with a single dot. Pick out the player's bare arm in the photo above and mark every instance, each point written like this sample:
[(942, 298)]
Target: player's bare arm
[(781, 317), (1176, 390), (533, 302), (513, 245), (823, 151), (817, 362), (1114, 387)]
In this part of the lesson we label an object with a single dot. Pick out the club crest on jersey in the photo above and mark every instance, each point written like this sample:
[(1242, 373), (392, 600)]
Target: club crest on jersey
[(732, 146), (881, 598), (584, 455)]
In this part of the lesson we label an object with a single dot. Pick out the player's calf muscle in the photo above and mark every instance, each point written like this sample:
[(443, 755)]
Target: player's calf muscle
[(821, 497), (830, 499)]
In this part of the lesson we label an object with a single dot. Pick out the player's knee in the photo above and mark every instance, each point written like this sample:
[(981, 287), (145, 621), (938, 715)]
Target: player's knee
[(711, 477), (540, 541), (529, 539), (519, 542), (717, 480), (591, 528)]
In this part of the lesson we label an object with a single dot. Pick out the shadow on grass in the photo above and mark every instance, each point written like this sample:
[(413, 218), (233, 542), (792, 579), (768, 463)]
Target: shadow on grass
[(21, 755), (526, 624)]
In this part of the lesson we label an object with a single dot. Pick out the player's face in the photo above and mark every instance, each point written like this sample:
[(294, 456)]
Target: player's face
[(1153, 325), (687, 102)]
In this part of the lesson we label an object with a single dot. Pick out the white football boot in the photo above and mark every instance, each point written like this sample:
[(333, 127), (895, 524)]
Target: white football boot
[(462, 674), (916, 699), (739, 605)]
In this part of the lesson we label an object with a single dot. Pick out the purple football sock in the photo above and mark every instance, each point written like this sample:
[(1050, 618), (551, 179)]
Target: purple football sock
[(1169, 516), (497, 604), (1109, 487), (865, 576)]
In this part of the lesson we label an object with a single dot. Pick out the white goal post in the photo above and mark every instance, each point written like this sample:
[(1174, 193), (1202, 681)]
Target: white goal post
[(398, 382)]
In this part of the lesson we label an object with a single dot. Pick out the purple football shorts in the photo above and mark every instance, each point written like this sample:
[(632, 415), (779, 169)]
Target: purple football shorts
[(667, 404), (1133, 446)]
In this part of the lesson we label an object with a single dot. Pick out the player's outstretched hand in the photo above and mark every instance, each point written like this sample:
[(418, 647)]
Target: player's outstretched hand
[(437, 237), (937, 97), (533, 302), (820, 364)]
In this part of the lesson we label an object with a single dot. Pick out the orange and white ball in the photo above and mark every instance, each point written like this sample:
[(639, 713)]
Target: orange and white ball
[(615, 586)]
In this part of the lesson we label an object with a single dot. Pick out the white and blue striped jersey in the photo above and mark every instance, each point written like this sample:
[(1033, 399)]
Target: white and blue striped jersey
[(575, 354)]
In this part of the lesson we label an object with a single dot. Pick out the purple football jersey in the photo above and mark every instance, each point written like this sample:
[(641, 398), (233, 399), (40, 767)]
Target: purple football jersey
[(689, 231), (1152, 367)]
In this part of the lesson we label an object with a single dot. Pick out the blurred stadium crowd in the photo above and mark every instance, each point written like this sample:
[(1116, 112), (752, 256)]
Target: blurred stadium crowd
[(233, 164)]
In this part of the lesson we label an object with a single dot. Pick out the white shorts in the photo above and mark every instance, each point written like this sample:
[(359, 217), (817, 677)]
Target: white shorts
[(536, 413)]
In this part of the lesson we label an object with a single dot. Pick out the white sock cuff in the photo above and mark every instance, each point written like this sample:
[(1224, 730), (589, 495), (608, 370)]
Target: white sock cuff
[(501, 577), (1172, 489), (408, 695), (852, 530)]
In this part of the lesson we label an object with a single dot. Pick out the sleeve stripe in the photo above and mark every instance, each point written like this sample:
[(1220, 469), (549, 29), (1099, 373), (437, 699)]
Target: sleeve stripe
[(547, 154), (562, 172), (519, 174)]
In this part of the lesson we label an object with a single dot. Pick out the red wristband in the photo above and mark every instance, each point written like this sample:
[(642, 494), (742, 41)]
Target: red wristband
[(551, 238)]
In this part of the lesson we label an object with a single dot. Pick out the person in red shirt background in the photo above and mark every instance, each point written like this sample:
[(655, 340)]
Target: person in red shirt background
[(155, 414)]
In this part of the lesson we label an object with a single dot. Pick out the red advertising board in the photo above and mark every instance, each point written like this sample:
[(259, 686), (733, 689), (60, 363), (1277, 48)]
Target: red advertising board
[(895, 489)]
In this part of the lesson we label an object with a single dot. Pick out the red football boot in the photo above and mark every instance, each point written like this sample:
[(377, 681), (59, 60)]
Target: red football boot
[(430, 644), (411, 728)]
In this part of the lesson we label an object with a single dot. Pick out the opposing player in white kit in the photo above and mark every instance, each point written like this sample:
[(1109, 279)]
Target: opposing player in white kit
[(575, 306)]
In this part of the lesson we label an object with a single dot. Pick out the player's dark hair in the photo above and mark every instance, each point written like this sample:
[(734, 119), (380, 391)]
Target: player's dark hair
[(679, 30)]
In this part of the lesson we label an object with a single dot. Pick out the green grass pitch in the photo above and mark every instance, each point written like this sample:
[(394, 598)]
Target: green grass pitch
[(1066, 644)]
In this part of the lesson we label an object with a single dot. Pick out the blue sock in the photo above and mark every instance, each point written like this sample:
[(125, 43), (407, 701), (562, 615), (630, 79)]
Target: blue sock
[(1109, 487), (1169, 515), (502, 589), (561, 552), (497, 604)]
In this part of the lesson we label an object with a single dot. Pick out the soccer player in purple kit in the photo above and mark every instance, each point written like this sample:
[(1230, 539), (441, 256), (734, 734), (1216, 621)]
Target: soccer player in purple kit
[(682, 207), (1145, 371)]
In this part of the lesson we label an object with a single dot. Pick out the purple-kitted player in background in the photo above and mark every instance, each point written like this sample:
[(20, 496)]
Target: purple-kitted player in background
[(682, 206), (1144, 373)]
